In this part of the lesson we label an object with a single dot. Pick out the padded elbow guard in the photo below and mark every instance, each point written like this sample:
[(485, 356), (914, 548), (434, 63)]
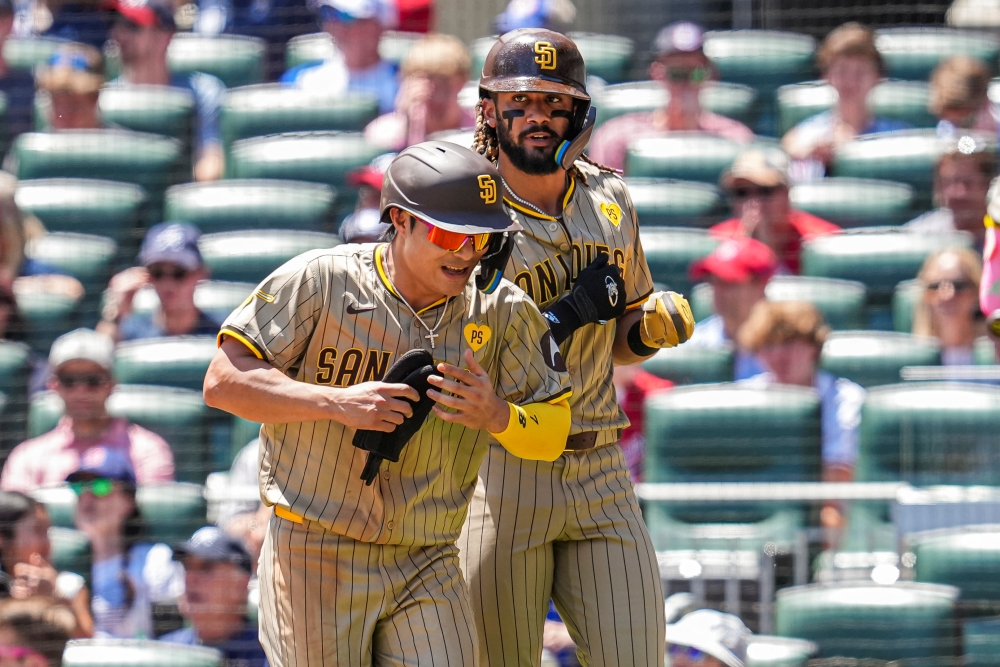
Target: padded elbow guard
[(536, 431)]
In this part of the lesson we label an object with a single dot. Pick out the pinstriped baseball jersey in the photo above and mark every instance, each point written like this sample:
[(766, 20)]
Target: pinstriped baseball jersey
[(597, 217), (332, 317)]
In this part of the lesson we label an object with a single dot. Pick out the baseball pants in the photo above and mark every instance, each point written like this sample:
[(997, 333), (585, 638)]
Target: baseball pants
[(328, 600), (570, 531)]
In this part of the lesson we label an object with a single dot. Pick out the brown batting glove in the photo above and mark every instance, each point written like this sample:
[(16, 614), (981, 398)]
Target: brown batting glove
[(666, 320)]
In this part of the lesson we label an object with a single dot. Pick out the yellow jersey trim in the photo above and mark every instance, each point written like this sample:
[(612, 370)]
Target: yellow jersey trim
[(288, 514), (535, 214), (564, 395), (241, 338), (638, 302), (383, 276)]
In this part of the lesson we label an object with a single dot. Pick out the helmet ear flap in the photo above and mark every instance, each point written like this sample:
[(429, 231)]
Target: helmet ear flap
[(570, 150)]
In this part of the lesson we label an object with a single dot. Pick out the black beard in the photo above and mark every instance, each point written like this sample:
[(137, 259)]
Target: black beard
[(530, 162)]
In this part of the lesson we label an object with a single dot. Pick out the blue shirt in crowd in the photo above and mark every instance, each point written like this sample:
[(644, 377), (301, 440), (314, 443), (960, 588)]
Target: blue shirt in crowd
[(710, 334), (141, 326), (241, 650)]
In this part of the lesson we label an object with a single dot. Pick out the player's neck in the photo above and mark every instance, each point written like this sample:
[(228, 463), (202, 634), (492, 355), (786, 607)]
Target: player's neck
[(407, 282), (545, 191)]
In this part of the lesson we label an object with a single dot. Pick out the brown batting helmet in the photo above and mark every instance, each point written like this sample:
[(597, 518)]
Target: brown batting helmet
[(533, 60)]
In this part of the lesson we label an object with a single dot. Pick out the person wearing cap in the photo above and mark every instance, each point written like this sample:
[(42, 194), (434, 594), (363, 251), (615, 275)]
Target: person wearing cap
[(738, 271), (683, 69), (788, 337), (757, 184), (143, 30), (355, 66), (851, 63), (129, 574), (434, 71), (708, 638), (172, 264), (365, 224), (72, 81), (217, 572), (962, 176), (82, 362)]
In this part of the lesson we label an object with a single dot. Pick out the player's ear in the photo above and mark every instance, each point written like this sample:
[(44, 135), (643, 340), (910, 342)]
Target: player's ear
[(490, 112), (401, 220)]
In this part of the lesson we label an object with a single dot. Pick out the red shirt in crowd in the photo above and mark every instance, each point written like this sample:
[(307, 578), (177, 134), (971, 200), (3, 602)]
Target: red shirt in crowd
[(806, 225)]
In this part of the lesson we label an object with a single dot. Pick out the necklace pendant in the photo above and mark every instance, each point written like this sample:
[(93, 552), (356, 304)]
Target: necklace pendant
[(431, 336)]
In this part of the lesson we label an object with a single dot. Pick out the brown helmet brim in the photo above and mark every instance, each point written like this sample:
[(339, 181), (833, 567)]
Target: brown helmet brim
[(530, 84)]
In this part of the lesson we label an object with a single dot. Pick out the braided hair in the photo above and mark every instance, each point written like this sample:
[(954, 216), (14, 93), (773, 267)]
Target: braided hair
[(486, 143)]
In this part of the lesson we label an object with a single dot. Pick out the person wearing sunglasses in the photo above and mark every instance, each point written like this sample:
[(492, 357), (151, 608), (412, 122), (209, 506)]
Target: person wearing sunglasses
[(69, 85), (33, 632), (173, 267), (129, 573), (683, 69), (707, 638), (757, 184), (81, 362), (948, 308)]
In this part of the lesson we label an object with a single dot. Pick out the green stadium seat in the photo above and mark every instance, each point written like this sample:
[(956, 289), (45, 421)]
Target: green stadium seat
[(668, 203), (865, 620), (216, 298), (855, 202), (86, 257), (692, 156), (913, 53), (235, 59), (15, 360), (157, 109), (47, 313), (137, 653), (23, 53), (243, 432), (395, 44), (873, 358), (762, 59), (981, 641), (726, 99), (967, 558), (930, 433), (904, 298), (607, 56), (251, 255), (176, 361), (766, 651), (701, 298), (70, 551), (902, 100), (691, 365), (317, 157), (907, 157), (82, 205), (984, 352), (669, 252), (272, 108), (224, 206), (318, 46), (172, 511)]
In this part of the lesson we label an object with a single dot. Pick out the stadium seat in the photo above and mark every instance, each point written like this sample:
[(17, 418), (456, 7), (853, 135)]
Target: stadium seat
[(855, 202), (272, 108), (669, 252), (691, 365), (47, 313), (902, 100), (907, 157), (137, 653), (930, 433), (967, 558), (217, 298), (251, 255), (668, 203), (873, 358), (607, 56), (243, 432), (175, 361), (726, 99), (842, 302), (86, 257), (981, 642), (14, 367), (23, 53), (82, 205), (904, 298), (318, 46), (865, 620), (237, 60), (762, 59), (985, 352), (692, 156), (766, 651), (230, 205), (913, 53), (172, 511), (317, 157), (70, 550), (157, 109)]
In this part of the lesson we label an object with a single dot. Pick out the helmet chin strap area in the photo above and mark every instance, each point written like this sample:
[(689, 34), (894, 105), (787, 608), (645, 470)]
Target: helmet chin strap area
[(569, 151)]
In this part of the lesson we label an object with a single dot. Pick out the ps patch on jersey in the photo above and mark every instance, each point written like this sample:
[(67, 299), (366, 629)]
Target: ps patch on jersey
[(551, 354), (477, 335), (612, 212)]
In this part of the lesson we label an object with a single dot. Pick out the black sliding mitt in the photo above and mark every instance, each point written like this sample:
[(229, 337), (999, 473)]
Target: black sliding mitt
[(413, 368)]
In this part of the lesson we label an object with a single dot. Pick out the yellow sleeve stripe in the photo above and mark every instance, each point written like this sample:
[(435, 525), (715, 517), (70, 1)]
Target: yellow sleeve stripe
[(558, 398), (638, 302), (240, 337)]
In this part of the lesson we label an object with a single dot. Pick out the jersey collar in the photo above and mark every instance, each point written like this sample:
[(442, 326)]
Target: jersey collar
[(535, 214), (383, 275)]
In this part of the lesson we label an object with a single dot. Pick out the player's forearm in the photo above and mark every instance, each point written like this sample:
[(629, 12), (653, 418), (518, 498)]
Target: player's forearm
[(536, 431), (621, 353)]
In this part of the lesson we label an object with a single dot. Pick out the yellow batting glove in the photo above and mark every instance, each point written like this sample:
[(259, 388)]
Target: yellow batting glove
[(666, 320)]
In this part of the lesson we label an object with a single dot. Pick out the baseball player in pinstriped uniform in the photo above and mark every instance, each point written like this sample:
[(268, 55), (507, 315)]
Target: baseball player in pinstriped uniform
[(368, 574), (569, 529)]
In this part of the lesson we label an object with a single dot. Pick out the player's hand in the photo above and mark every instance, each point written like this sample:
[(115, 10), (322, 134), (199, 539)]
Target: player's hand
[(598, 296), (375, 406), (473, 402), (121, 292), (666, 320)]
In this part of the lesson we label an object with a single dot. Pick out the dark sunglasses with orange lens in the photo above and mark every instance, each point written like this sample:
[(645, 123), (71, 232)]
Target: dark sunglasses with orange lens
[(455, 241)]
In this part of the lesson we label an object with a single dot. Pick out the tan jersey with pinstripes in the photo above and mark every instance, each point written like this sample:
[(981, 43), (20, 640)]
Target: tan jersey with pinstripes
[(597, 217), (332, 317)]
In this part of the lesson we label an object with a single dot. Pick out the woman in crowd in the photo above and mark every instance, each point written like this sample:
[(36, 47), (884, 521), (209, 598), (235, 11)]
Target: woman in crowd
[(948, 308)]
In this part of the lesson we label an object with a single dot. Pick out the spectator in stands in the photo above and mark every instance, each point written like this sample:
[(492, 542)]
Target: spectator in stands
[(33, 632), (962, 178), (958, 98), (632, 387), (557, 15), (72, 81), (129, 573), (25, 552), (82, 363), (143, 30), (70, 20), (788, 337), (433, 71), (738, 271), (682, 67), (757, 184), (16, 231), (217, 571), (948, 309), (851, 63), (707, 638), (365, 224), (17, 85), (11, 321), (172, 264), (356, 66)]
